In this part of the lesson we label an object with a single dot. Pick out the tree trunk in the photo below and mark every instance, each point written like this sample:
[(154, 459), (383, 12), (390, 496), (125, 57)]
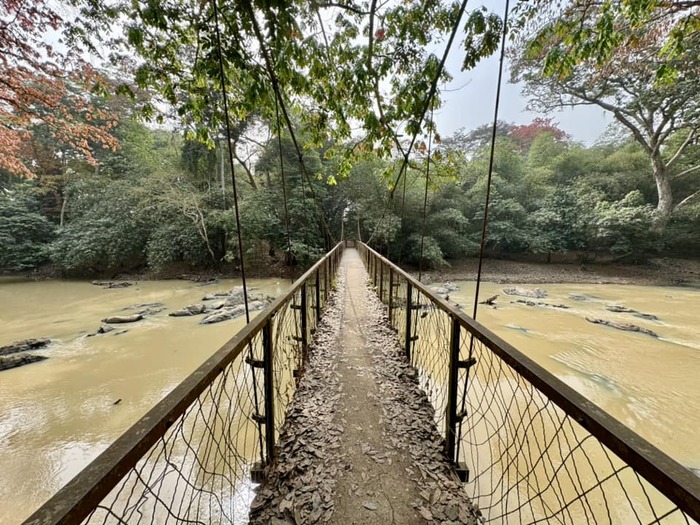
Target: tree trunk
[(223, 172), (664, 208), (62, 220)]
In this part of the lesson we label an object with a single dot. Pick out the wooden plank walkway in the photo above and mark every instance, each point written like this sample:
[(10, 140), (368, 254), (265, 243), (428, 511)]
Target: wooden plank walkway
[(360, 444)]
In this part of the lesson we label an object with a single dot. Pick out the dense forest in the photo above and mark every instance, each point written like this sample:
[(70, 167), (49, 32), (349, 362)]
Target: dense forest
[(104, 171)]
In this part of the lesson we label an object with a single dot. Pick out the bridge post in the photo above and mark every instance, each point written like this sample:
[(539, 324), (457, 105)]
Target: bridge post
[(409, 310), (269, 391), (326, 279), (304, 324), (391, 297), (381, 281), (318, 296), (375, 270), (451, 415)]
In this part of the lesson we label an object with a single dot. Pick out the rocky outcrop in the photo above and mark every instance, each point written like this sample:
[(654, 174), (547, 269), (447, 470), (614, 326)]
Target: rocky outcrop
[(103, 329), (628, 327), (24, 346), (238, 290), (446, 288), (111, 284), (228, 313), (146, 308), (537, 293), (490, 301), (624, 310), (619, 309), (527, 302), (190, 310), (15, 361), (121, 319)]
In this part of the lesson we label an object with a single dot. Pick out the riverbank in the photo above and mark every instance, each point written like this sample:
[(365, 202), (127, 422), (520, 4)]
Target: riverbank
[(657, 272)]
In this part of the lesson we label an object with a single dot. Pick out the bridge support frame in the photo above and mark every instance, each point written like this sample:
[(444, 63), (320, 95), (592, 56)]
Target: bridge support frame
[(268, 359), (391, 297), (452, 419), (317, 288), (304, 324), (381, 281), (409, 310)]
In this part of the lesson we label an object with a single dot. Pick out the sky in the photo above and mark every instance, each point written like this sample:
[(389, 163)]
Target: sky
[(468, 100), (473, 104)]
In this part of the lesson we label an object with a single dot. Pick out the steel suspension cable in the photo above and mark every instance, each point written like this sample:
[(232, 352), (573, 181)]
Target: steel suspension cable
[(424, 110), (274, 81), (494, 128), (425, 198), (403, 205), (236, 211), (284, 183)]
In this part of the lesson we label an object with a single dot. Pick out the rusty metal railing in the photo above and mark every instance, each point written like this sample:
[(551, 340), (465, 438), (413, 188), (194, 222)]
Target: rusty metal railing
[(529, 448), (190, 458)]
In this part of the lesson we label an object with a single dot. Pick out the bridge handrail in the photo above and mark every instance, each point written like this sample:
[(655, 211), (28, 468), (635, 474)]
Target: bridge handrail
[(79, 497), (668, 476)]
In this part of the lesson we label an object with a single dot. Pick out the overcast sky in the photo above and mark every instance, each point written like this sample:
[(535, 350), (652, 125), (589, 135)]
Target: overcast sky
[(473, 104)]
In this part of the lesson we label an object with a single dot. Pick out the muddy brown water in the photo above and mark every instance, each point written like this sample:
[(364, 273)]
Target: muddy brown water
[(57, 415)]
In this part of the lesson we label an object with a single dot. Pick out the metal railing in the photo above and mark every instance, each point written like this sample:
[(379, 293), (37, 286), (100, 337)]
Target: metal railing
[(529, 448), (190, 459)]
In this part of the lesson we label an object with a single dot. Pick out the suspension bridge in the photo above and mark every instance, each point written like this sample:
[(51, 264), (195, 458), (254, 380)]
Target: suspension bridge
[(344, 367)]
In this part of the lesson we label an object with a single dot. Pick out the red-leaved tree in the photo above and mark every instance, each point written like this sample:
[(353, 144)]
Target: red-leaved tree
[(527, 133), (41, 86)]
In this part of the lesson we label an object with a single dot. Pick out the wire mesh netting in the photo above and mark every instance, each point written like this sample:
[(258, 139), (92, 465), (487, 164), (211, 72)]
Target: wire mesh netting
[(528, 460), (199, 469)]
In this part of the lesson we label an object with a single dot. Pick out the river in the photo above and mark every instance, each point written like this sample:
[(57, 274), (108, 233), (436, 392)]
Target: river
[(57, 415)]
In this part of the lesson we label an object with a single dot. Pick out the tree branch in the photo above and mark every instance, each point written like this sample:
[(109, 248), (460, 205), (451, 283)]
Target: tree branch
[(685, 172), (681, 148), (686, 200)]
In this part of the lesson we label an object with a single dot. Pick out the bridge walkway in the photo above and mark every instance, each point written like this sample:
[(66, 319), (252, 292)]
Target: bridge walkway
[(360, 443)]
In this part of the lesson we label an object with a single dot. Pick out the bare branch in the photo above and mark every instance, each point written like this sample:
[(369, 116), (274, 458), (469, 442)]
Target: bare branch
[(686, 172), (686, 200), (682, 147)]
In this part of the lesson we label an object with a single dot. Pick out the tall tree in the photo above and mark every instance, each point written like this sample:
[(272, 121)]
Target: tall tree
[(626, 84)]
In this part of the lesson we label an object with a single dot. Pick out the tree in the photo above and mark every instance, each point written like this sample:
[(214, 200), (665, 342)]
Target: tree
[(24, 232), (526, 134), (627, 85), (477, 138), (590, 30), (40, 86)]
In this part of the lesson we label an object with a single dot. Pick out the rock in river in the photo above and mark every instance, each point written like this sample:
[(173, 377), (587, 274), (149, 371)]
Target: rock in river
[(146, 308), (226, 313), (628, 327), (103, 329), (624, 310), (189, 310), (19, 360), (111, 284), (23, 346), (537, 293), (238, 290), (119, 319)]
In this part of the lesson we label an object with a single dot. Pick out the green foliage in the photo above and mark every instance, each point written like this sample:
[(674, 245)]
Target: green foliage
[(24, 232), (173, 242), (432, 254), (622, 227), (107, 236)]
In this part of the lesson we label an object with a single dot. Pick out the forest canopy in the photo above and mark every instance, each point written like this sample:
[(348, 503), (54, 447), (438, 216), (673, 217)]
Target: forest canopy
[(125, 166)]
